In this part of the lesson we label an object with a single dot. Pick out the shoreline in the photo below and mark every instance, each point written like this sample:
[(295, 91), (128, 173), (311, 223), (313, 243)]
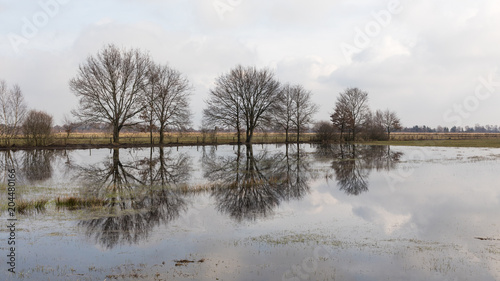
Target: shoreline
[(485, 143)]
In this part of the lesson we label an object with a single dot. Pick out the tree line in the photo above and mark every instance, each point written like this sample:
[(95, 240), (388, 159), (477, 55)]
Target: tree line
[(352, 119), (15, 119), (127, 89), (124, 88), (246, 98), (455, 129)]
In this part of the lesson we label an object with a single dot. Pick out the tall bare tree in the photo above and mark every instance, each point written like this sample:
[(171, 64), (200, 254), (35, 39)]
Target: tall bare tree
[(13, 110), (223, 108), (243, 95), (69, 125), (293, 109), (283, 109), (352, 107), (341, 118), (303, 110), (37, 127), (147, 115), (389, 120), (167, 99), (110, 87)]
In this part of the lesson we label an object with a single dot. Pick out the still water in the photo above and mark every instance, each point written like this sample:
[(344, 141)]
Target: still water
[(263, 212)]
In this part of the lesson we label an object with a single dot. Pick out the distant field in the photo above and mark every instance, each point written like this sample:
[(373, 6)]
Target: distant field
[(413, 139), (61, 139)]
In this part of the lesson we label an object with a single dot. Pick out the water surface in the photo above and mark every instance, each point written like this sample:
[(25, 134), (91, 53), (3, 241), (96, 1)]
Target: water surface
[(265, 212)]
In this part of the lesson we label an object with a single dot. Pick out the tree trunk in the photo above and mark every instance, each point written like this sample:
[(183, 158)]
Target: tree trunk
[(238, 131), (286, 135), (150, 133), (116, 134), (249, 134), (161, 135)]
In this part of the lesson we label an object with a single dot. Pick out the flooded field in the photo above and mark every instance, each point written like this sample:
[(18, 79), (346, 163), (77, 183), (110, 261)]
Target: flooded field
[(265, 212)]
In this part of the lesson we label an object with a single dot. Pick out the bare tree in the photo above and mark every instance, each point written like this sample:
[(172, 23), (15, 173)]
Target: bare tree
[(373, 128), (293, 109), (303, 110), (244, 95), (167, 99), (69, 125), (283, 109), (12, 110), (341, 118), (110, 87), (389, 120), (224, 107), (150, 94), (37, 127), (352, 107), (325, 131)]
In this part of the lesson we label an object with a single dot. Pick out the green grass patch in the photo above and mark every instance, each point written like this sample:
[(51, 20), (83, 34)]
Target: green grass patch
[(28, 206), (74, 203)]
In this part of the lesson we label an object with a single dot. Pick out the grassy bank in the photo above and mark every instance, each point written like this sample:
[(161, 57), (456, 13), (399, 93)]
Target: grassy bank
[(97, 140), (143, 139)]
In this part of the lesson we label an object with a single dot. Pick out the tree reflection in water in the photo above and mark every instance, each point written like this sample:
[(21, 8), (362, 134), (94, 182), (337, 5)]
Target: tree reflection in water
[(37, 164), (249, 187), (32, 166), (138, 196), (352, 164), (296, 170), (9, 160)]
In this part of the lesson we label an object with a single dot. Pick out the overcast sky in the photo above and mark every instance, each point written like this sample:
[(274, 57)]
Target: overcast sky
[(433, 62)]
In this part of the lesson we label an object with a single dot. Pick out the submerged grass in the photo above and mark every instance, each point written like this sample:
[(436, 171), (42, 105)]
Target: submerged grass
[(74, 203), (195, 189), (28, 206), (293, 238)]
